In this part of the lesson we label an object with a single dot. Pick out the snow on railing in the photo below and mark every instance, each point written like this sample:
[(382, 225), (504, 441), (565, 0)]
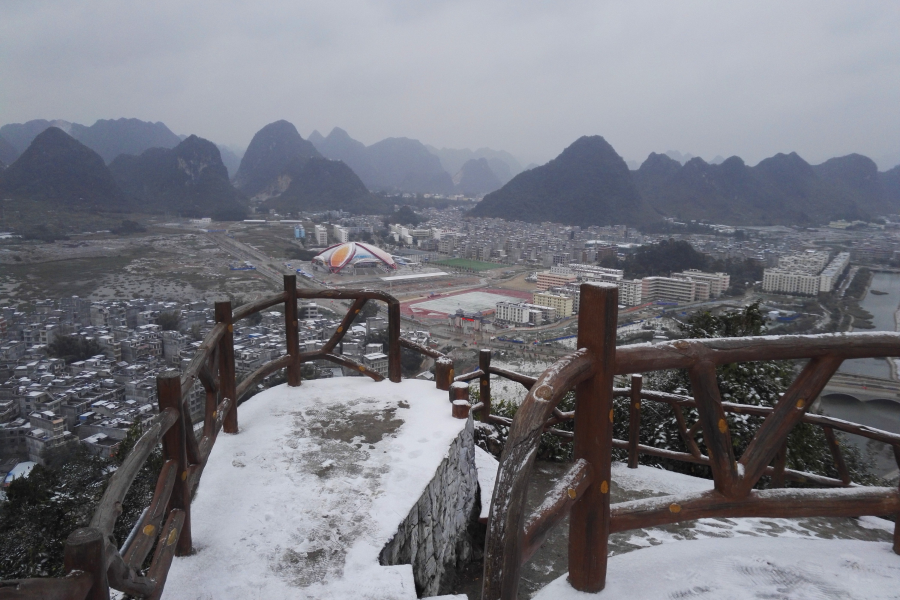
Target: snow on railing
[(583, 494), (93, 563)]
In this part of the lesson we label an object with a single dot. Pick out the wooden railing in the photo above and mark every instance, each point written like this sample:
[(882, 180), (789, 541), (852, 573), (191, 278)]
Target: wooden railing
[(583, 493), (93, 562)]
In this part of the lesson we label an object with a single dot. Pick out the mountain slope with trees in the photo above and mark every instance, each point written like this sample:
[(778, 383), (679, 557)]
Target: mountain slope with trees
[(587, 184), (8, 152), (272, 150), (189, 180), (323, 184), (58, 169), (781, 190)]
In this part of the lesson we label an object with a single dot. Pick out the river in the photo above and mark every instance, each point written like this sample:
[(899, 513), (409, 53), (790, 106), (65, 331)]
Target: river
[(881, 414), (882, 307)]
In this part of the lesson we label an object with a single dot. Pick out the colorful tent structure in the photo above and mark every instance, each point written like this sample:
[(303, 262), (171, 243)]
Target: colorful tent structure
[(355, 254)]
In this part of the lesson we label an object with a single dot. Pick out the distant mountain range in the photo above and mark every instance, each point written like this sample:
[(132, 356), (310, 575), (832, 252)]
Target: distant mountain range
[(504, 165), (152, 169), (407, 165), (476, 177), (189, 179), (58, 170), (108, 138), (589, 183), (286, 172)]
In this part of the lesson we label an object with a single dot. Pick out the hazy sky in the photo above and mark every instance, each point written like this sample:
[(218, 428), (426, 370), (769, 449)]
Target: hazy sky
[(747, 78)]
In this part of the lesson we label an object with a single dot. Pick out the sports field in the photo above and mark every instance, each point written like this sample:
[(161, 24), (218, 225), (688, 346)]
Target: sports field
[(465, 263), (469, 302)]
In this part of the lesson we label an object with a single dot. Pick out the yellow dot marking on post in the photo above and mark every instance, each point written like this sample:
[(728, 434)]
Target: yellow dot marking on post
[(637, 404), (604, 487), (723, 426), (215, 414), (356, 311), (148, 530), (572, 493), (230, 328), (362, 368), (610, 415), (340, 329), (183, 475), (674, 508), (801, 403), (484, 382), (172, 538)]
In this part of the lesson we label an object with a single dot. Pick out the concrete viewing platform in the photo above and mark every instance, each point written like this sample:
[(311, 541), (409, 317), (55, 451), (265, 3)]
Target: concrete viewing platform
[(341, 488)]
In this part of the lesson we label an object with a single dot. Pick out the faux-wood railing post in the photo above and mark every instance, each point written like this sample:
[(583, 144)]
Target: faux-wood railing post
[(84, 552), (292, 334), (227, 383), (589, 522), (897, 516), (395, 369), (443, 373), (168, 389), (634, 421), (484, 388)]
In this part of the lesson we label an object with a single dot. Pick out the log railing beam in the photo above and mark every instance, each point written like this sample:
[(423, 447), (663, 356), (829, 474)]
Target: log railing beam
[(789, 411)]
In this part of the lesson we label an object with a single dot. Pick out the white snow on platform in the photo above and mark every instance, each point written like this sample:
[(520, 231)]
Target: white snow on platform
[(747, 569), (296, 507), (487, 467)]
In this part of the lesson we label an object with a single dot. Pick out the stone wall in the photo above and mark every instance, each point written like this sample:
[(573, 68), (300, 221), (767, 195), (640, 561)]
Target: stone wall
[(436, 536)]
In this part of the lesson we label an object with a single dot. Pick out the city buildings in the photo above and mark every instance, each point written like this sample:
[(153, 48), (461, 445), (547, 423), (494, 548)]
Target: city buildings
[(806, 273), (562, 303)]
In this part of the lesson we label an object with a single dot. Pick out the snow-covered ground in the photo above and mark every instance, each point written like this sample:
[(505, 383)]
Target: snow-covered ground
[(300, 502), (657, 545), (748, 569)]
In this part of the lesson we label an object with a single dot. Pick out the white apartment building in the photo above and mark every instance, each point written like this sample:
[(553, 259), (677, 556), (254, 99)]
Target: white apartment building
[(790, 282), (377, 361), (341, 235), (718, 282), (563, 304), (631, 292), (673, 290), (321, 235), (522, 313), (805, 273), (833, 271)]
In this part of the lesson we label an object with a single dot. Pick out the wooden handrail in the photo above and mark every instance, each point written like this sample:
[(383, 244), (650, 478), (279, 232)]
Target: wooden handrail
[(245, 310), (733, 495), (261, 373), (429, 352), (683, 354), (503, 544), (110, 506)]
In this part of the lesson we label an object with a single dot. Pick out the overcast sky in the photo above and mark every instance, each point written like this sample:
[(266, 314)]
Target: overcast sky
[(750, 78)]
